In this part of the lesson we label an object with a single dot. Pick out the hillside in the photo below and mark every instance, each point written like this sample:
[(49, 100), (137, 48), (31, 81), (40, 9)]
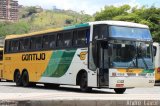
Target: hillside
[(34, 19)]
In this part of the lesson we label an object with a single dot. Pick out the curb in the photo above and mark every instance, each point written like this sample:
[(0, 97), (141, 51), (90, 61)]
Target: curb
[(80, 103)]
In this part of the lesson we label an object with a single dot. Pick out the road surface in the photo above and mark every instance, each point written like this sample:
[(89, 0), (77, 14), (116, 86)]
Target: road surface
[(10, 94)]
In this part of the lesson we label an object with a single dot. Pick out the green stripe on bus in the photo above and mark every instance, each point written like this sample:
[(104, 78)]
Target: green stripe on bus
[(59, 63), (148, 71), (76, 26)]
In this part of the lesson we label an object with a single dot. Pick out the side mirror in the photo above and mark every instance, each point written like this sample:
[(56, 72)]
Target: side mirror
[(104, 44), (154, 50)]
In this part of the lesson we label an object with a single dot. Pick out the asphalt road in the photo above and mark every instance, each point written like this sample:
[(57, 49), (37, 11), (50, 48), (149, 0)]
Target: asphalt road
[(72, 96), (10, 87)]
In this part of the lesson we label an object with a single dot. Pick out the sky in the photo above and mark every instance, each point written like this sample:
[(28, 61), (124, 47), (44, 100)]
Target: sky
[(88, 6)]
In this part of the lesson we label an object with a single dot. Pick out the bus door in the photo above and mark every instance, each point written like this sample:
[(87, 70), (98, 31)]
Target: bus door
[(98, 63), (103, 60)]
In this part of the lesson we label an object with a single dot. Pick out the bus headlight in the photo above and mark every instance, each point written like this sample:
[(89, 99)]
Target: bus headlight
[(118, 74), (120, 81)]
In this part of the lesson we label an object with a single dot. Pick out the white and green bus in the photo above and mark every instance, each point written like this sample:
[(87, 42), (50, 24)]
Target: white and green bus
[(101, 54)]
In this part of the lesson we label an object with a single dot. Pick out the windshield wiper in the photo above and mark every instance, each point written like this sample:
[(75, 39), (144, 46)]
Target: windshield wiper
[(144, 62), (132, 62)]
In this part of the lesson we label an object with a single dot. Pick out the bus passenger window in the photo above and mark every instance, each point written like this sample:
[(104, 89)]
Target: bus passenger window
[(45, 42), (25, 44), (49, 41), (67, 39), (36, 43), (60, 42), (1, 55), (52, 42), (74, 38), (14, 46), (7, 46), (81, 38), (87, 35)]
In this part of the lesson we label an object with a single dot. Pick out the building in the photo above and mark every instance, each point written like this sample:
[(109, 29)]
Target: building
[(8, 10)]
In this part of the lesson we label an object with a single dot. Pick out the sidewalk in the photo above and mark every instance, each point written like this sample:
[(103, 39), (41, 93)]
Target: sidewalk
[(74, 99)]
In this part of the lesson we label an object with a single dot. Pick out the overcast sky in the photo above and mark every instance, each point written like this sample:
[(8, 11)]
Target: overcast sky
[(89, 6)]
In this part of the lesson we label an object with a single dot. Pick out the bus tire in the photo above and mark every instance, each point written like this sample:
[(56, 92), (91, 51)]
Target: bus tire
[(17, 79), (32, 84), (120, 90), (9, 81), (25, 79), (84, 83)]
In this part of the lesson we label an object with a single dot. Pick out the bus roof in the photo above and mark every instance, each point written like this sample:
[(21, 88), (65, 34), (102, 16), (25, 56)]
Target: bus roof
[(47, 31), (119, 23)]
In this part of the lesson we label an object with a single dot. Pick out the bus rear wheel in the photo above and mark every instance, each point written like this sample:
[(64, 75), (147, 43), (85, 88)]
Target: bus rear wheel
[(120, 90), (84, 83), (25, 79), (17, 79)]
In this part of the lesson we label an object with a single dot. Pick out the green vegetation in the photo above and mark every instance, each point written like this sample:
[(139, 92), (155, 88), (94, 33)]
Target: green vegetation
[(7, 28), (34, 19), (149, 16)]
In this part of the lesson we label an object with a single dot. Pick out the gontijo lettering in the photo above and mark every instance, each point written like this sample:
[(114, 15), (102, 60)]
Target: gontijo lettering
[(31, 57)]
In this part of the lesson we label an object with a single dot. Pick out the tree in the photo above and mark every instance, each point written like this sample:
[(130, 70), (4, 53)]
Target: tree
[(110, 12)]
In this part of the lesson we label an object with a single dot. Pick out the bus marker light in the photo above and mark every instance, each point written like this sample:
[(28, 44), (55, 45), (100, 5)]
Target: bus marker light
[(158, 70), (113, 74), (119, 85)]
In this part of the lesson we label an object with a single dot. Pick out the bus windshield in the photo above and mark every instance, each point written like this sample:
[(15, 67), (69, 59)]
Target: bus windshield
[(130, 54), (130, 32)]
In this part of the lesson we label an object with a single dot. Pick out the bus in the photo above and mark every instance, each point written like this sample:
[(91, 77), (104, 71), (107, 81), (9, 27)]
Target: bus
[(156, 47), (101, 54), (1, 63)]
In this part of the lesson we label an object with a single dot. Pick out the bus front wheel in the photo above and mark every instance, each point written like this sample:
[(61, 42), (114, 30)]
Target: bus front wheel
[(120, 90), (25, 79), (18, 79), (84, 83)]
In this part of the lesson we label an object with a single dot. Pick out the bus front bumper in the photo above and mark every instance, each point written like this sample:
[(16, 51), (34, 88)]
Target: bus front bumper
[(131, 82)]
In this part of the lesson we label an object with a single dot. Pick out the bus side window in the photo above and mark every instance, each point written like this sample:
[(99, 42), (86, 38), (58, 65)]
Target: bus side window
[(49, 41), (36, 43), (100, 31), (45, 41), (14, 45), (154, 50), (1, 55), (7, 46), (67, 39), (75, 38), (87, 35), (81, 38), (60, 41), (52, 41), (25, 44)]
